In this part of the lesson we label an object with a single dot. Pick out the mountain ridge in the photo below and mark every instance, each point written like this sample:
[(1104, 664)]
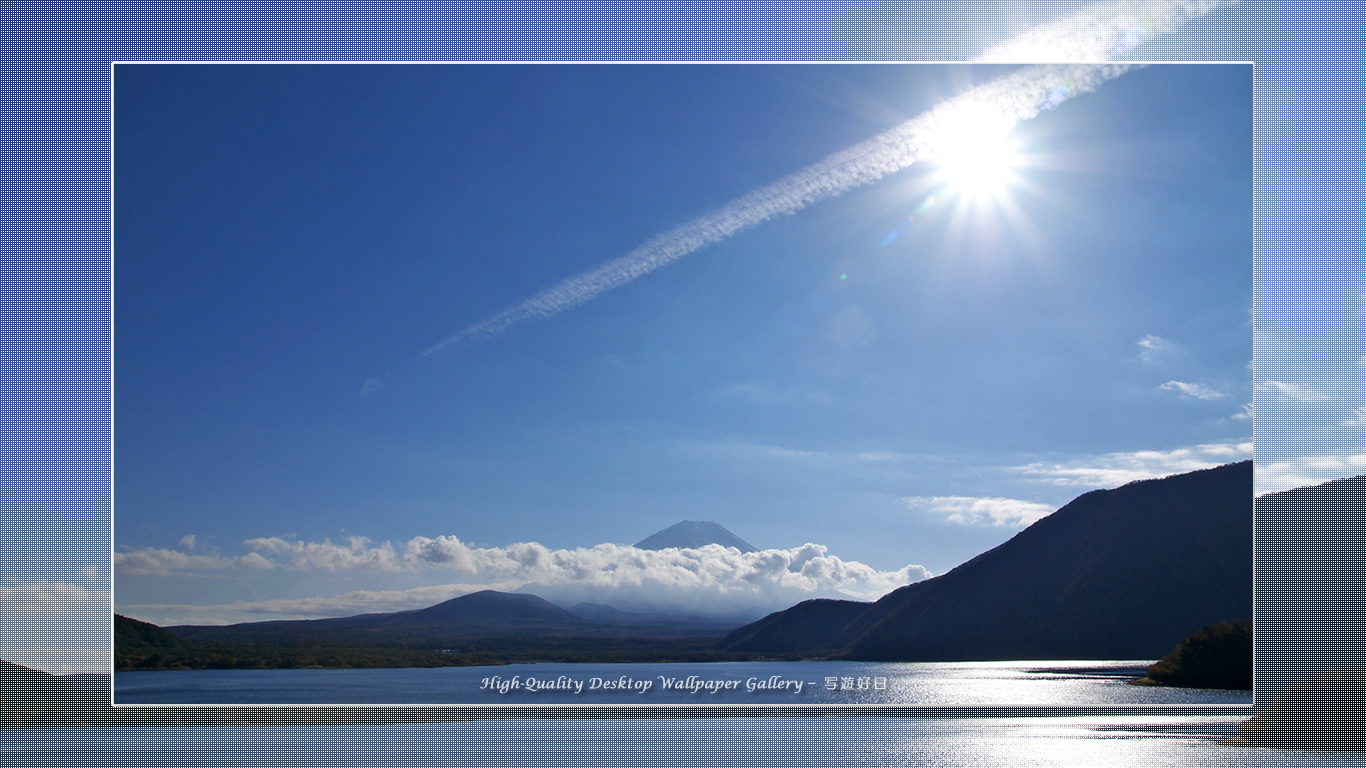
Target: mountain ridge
[(1120, 573)]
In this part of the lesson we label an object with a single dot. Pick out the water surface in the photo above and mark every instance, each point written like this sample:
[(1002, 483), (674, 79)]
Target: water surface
[(789, 742), (1015, 683)]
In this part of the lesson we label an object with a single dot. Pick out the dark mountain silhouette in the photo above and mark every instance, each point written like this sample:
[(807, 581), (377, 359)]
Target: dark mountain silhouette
[(1309, 542), (131, 634), (691, 534), (808, 626), (1218, 656), (1126, 573), (21, 686)]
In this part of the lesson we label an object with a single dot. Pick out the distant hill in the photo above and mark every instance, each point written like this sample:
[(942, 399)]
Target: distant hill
[(480, 614), (691, 534), (481, 628), (1126, 573)]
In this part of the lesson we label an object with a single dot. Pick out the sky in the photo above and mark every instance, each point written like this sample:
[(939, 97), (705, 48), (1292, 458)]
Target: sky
[(389, 334)]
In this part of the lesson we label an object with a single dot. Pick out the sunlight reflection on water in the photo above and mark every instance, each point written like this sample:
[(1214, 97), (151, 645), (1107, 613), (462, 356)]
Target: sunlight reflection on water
[(791, 742)]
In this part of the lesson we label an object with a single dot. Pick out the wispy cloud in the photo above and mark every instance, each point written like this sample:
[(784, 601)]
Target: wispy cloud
[(1297, 392), (1358, 419), (1187, 390), (1114, 469), (1153, 349), (1247, 412), (974, 510), (1010, 99), (371, 386)]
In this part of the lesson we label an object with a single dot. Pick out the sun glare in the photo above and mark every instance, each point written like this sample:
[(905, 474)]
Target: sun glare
[(975, 153)]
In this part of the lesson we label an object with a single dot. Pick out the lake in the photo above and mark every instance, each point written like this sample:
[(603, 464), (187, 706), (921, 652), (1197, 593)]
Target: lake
[(1149, 741), (1014, 683)]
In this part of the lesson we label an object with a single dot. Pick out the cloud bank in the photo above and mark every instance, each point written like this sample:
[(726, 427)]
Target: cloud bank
[(711, 579), (149, 561)]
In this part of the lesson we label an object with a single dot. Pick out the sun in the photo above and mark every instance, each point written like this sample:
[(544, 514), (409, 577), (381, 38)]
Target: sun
[(976, 154)]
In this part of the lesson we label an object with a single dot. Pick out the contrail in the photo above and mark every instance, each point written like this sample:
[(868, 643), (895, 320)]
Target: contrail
[(1010, 99), (1101, 30), (1096, 32)]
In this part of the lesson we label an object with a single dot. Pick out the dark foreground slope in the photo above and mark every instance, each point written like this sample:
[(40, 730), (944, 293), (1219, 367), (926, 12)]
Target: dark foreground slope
[(808, 627), (1122, 573), (21, 686)]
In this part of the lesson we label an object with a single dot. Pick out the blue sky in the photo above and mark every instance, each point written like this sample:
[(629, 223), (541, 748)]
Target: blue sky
[(291, 239)]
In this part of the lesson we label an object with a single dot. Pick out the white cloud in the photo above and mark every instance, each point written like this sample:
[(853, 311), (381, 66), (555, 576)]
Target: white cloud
[(355, 555), (1247, 413), (974, 510), (1297, 392), (1153, 349), (1302, 471), (1114, 469), (1188, 390), (371, 386), (149, 561), (712, 568), (187, 541)]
